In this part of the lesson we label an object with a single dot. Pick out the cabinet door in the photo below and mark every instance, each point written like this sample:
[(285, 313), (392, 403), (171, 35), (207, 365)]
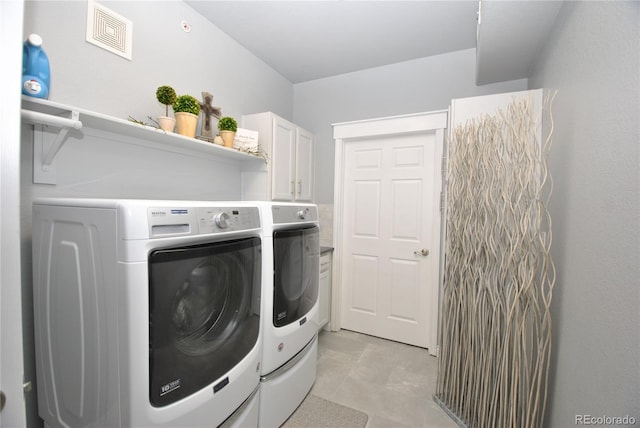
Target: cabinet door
[(304, 166), (324, 290), (283, 145)]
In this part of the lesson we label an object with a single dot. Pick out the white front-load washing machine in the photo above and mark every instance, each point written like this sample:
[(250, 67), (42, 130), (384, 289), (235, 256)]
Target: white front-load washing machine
[(291, 241), (147, 312)]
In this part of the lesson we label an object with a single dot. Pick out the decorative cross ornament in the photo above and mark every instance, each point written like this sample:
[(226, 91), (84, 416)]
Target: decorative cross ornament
[(207, 111)]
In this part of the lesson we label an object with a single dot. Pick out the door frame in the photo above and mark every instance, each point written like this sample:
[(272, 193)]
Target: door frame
[(343, 134), (11, 346)]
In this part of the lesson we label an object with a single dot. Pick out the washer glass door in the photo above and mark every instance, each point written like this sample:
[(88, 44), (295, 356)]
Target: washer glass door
[(296, 258), (204, 312)]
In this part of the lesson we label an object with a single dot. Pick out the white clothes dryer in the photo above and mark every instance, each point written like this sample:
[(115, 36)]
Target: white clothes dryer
[(291, 241), (147, 313)]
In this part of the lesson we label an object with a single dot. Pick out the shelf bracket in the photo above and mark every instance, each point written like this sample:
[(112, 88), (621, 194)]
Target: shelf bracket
[(45, 154), (63, 123)]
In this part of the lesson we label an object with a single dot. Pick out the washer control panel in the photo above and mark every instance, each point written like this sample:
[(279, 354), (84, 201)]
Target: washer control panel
[(177, 221), (227, 219)]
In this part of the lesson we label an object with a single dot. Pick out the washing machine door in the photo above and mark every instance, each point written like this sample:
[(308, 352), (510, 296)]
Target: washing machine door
[(296, 258), (204, 315)]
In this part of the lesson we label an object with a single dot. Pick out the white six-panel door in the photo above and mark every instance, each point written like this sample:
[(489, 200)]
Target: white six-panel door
[(390, 234)]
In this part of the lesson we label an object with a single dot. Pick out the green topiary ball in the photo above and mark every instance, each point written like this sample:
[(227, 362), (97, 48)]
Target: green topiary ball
[(166, 95), (187, 104), (227, 124)]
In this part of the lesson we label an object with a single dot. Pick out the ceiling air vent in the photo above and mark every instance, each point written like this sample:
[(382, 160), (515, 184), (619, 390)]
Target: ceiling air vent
[(108, 30)]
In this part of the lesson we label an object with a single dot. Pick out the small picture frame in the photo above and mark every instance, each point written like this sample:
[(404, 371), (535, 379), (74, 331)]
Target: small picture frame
[(246, 140)]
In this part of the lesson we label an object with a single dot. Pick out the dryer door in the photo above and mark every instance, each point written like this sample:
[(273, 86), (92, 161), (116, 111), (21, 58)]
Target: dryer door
[(204, 314), (296, 258)]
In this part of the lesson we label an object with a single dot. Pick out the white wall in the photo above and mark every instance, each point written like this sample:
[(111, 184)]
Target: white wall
[(205, 59), (420, 85), (86, 76), (593, 61)]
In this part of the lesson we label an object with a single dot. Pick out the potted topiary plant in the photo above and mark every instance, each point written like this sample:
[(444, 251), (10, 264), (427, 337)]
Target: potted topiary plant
[(227, 127), (186, 109), (167, 96)]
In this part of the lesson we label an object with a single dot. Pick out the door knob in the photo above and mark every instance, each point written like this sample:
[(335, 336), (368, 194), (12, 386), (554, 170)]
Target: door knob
[(424, 252), (3, 400)]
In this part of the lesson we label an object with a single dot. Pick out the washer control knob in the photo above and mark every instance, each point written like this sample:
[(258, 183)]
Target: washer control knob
[(223, 220), (302, 214)]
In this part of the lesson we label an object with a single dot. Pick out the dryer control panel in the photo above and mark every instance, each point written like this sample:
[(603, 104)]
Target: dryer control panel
[(177, 221), (294, 213)]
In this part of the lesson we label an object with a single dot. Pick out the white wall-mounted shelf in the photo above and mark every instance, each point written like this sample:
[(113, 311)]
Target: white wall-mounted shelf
[(72, 121)]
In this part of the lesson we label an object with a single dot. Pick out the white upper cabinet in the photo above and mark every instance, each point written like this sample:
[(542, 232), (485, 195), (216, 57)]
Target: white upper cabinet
[(304, 165), (283, 136), (288, 174)]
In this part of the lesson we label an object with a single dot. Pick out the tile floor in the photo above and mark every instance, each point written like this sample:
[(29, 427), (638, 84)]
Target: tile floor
[(393, 383)]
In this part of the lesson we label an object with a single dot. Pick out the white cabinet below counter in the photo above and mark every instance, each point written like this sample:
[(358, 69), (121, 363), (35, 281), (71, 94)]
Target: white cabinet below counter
[(288, 174), (324, 290)]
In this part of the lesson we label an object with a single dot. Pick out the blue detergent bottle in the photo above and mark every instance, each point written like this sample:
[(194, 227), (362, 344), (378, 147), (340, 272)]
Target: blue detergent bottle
[(36, 74)]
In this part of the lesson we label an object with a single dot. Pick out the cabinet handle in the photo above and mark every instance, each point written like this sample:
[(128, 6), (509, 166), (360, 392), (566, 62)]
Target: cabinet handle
[(299, 187), (293, 188)]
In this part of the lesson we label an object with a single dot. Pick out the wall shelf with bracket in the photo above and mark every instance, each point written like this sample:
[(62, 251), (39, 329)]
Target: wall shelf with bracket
[(67, 121)]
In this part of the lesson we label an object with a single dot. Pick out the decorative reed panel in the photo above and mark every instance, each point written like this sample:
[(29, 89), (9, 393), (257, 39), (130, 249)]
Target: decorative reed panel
[(495, 328)]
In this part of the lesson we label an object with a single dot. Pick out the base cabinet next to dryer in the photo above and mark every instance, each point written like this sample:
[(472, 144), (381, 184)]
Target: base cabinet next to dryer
[(324, 290), (288, 174)]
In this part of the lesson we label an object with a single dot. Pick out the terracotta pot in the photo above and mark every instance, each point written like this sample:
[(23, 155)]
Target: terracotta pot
[(166, 123), (186, 123), (228, 137)]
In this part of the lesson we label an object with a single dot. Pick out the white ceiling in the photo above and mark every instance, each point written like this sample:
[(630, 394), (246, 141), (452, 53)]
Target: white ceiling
[(306, 40)]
